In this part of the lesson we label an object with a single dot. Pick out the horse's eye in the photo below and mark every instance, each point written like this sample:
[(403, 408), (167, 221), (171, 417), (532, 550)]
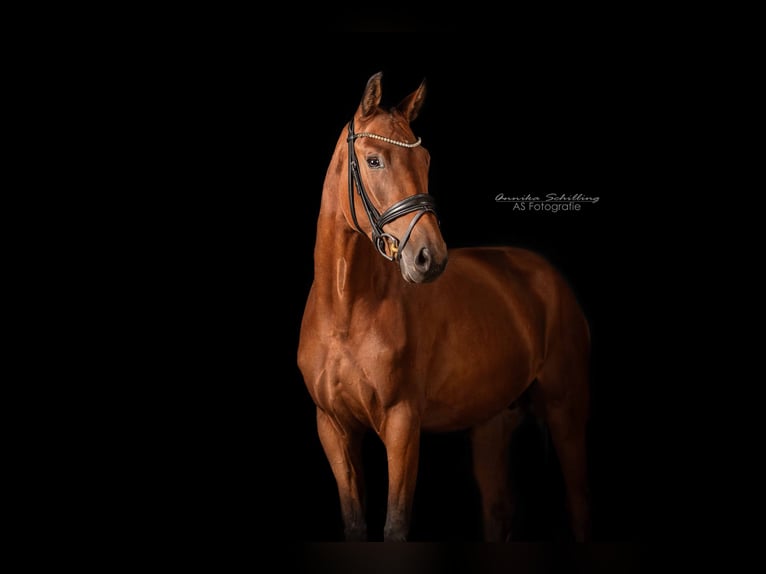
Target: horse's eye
[(374, 162)]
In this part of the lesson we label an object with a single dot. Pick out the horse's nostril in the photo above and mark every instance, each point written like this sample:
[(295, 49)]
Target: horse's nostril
[(423, 260)]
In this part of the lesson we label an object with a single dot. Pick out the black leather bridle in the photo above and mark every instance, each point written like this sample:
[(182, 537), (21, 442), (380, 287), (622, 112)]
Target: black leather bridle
[(420, 202)]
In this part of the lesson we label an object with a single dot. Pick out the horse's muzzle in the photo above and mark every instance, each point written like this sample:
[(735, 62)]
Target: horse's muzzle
[(426, 265)]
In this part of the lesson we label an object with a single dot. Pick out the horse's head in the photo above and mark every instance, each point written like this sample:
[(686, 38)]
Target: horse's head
[(388, 185)]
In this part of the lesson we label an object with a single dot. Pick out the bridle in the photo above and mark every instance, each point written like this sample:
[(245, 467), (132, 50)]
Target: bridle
[(420, 202)]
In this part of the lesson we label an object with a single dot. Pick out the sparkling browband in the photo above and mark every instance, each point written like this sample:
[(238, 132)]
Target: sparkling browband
[(385, 139)]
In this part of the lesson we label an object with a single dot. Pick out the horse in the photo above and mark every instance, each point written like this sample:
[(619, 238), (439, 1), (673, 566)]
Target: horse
[(397, 341)]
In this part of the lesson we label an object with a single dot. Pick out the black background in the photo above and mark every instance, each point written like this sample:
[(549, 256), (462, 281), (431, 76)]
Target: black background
[(244, 143)]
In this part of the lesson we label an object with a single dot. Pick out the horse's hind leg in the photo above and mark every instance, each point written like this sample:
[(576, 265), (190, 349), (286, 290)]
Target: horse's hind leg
[(344, 452), (563, 392), (490, 444)]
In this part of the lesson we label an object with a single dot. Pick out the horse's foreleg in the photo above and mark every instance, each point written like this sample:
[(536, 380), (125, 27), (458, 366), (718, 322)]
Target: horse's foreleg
[(401, 437), (344, 452), (490, 444)]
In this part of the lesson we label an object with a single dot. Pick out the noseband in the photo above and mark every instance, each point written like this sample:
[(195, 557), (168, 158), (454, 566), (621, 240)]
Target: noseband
[(421, 202)]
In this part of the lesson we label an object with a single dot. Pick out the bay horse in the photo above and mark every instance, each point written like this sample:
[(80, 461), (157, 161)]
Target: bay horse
[(395, 340)]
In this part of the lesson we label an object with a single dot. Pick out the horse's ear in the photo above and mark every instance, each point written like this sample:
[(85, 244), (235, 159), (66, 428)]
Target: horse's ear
[(372, 95), (410, 106)]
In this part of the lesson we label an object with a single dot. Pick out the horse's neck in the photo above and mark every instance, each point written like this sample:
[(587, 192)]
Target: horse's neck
[(348, 270)]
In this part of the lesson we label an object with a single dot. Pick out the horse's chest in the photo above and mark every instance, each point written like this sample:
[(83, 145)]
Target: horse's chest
[(357, 377)]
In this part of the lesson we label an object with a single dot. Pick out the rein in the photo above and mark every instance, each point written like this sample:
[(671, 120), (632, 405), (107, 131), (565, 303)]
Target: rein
[(420, 202)]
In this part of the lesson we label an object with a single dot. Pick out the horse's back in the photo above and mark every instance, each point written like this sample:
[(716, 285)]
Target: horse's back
[(516, 260), (498, 315), (520, 274), (512, 267), (539, 288)]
